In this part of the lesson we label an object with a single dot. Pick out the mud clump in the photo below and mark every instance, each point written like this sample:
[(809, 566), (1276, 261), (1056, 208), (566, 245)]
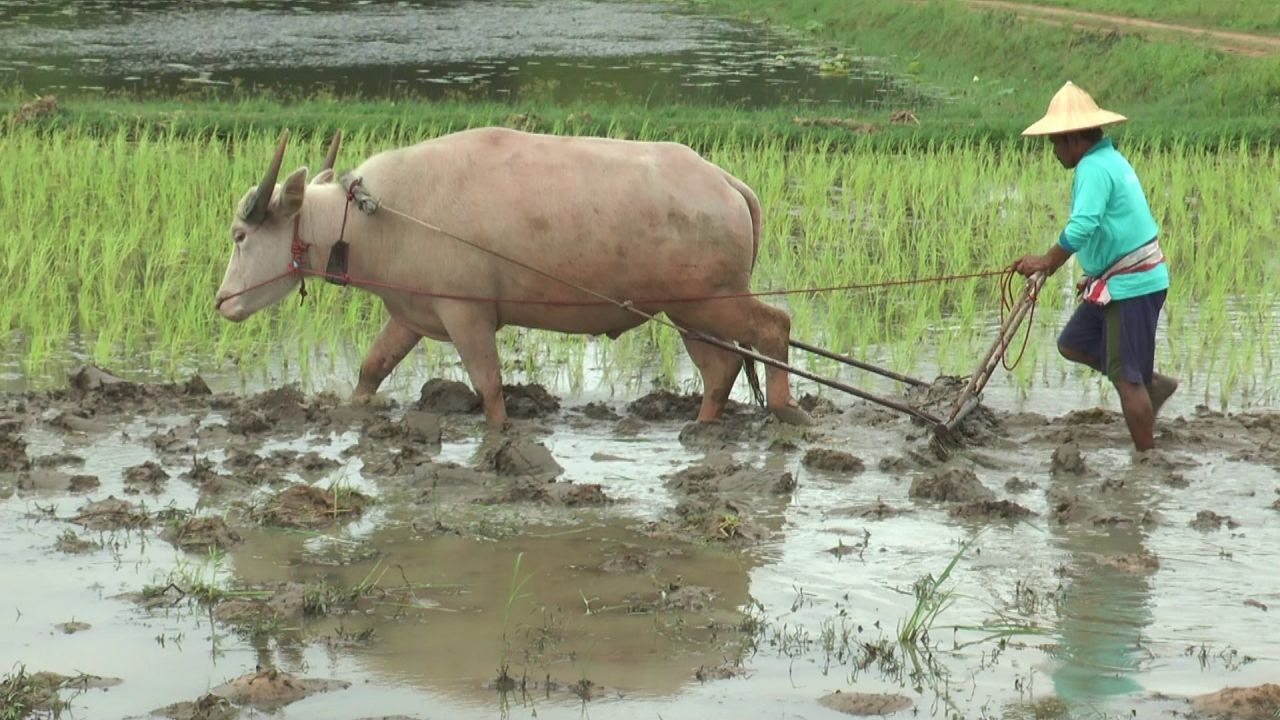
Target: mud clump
[(866, 704), (731, 479), (599, 411), (280, 406), (33, 695), (1238, 703), (529, 401), (306, 506), (285, 601), (110, 514), (71, 544), (666, 405), (1018, 485), (950, 485), (270, 689), (243, 421), (417, 427), (990, 510), (72, 627), (688, 598), (520, 457), (207, 707), (939, 399), (563, 494), (579, 495), (90, 379), (1133, 563), (52, 481), (817, 405), (877, 510), (447, 397), (147, 477), (201, 533), (1068, 461), (1208, 521), (836, 462), (719, 433), (13, 449), (451, 397)]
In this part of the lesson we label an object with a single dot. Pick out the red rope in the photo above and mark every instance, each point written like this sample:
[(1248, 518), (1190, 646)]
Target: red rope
[(647, 301), (1007, 303)]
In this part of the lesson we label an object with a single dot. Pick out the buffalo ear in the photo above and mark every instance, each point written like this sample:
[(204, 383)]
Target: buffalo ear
[(324, 177), (291, 194)]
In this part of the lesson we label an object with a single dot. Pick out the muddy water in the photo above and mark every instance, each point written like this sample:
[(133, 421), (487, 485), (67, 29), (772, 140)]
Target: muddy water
[(741, 569), (567, 50)]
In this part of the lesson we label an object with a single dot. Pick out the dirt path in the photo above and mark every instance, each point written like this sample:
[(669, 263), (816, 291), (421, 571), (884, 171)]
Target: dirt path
[(1233, 42)]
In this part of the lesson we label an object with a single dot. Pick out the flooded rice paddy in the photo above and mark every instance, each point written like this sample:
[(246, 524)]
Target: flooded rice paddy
[(182, 550), (562, 50)]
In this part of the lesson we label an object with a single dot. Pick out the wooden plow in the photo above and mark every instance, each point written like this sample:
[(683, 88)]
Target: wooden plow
[(969, 397)]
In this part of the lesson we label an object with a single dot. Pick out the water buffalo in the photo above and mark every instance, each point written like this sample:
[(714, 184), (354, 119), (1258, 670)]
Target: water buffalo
[(649, 222)]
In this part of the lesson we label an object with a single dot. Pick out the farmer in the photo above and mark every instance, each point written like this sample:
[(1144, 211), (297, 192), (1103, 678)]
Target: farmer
[(1113, 235)]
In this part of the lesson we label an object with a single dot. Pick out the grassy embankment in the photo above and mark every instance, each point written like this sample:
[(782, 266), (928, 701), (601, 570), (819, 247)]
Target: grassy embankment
[(999, 71), (1234, 15)]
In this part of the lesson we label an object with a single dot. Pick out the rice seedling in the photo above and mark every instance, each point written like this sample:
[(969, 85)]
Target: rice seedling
[(117, 241), (931, 600), (24, 695), (504, 681)]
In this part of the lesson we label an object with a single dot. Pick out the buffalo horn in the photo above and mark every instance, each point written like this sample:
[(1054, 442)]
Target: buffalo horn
[(262, 197), (333, 152)]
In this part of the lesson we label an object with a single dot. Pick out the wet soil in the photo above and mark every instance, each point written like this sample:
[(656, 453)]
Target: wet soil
[(281, 459)]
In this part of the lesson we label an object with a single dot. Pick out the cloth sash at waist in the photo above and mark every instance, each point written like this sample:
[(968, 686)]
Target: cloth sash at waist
[(1093, 288)]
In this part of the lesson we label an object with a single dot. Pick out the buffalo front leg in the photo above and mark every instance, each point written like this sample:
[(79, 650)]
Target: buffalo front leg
[(473, 332), (762, 327), (719, 369), (388, 349)]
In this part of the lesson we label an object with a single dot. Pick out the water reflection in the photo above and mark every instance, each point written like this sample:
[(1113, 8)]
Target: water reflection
[(568, 50), (598, 602), (1106, 606)]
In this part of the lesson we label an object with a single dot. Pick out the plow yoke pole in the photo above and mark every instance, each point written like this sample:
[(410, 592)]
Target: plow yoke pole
[(938, 426), (978, 380), (857, 363)]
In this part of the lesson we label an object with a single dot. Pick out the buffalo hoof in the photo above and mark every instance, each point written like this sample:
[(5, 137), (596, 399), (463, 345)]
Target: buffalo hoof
[(369, 399), (791, 414)]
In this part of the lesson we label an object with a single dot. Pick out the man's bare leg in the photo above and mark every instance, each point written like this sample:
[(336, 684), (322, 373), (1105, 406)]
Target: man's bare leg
[(1138, 415), (1159, 390)]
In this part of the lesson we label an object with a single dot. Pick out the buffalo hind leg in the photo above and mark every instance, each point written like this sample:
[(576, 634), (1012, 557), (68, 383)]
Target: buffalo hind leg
[(756, 325), (719, 369), (390, 347)]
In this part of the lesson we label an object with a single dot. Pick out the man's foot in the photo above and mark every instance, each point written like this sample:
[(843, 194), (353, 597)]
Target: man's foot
[(1161, 387)]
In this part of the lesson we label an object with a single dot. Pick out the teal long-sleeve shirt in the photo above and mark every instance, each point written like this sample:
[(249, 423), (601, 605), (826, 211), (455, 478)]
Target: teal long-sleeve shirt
[(1110, 218)]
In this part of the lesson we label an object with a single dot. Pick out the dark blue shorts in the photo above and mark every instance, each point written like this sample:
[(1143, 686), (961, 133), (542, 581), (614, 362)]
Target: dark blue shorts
[(1120, 338)]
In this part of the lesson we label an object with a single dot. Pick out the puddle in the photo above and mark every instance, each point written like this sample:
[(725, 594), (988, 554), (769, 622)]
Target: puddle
[(566, 50), (630, 567)]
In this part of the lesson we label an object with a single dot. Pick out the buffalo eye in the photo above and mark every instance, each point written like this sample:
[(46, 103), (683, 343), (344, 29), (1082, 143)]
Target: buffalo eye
[(238, 236)]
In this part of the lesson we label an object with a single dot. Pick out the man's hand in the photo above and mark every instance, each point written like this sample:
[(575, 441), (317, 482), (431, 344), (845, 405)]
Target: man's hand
[(1029, 265), (1048, 263)]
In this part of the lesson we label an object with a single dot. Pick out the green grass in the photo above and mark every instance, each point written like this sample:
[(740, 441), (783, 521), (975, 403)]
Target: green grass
[(117, 242)]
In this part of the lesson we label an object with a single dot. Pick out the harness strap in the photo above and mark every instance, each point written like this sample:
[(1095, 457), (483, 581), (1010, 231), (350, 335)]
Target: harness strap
[(336, 269)]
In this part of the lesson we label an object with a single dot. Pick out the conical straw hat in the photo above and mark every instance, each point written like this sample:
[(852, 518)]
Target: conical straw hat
[(1072, 109)]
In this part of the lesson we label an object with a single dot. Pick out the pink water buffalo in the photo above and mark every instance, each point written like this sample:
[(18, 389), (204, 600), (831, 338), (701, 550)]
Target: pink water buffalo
[(543, 218)]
